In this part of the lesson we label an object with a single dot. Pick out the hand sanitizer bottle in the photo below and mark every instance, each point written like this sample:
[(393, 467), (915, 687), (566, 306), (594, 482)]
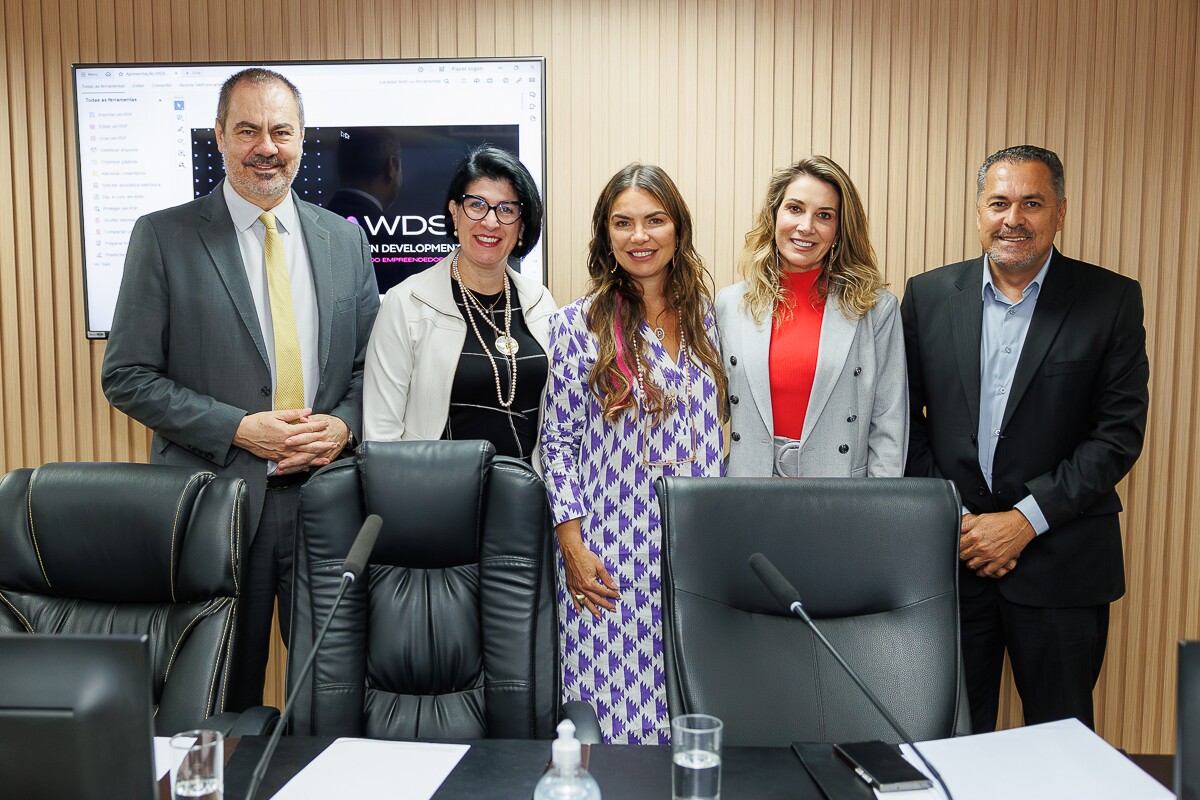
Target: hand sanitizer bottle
[(566, 779)]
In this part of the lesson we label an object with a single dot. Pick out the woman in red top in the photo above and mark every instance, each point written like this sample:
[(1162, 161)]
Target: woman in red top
[(810, 338)]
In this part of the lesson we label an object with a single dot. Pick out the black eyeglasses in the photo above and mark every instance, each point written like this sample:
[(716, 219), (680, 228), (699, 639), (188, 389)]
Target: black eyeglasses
[(475, 207)]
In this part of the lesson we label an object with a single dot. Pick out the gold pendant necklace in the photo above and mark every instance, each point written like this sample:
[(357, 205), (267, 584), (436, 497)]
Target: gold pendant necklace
[(505, 344)]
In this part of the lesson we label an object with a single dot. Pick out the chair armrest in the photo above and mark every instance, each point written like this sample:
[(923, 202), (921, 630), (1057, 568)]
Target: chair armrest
[(962, 711), (587, 725), (256, 721)]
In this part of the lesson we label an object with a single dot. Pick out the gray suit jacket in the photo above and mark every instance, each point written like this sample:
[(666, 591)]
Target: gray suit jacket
[(856, 424), (186, 355)]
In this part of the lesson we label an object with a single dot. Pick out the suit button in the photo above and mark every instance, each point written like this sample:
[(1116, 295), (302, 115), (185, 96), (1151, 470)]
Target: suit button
[(857, 371), (974, 439), (733, 398), (265, 391), (733, 360), (983, 491), (844, 449), (737, 437), (852, 418)]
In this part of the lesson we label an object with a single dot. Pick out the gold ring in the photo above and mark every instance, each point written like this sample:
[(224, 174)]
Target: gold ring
[(580, 597)]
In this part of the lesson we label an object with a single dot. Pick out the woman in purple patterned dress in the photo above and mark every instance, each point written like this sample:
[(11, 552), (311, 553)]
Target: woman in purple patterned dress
[(636, 391)]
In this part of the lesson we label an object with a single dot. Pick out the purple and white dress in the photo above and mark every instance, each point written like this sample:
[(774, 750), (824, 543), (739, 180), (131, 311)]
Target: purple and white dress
[(603, 472)]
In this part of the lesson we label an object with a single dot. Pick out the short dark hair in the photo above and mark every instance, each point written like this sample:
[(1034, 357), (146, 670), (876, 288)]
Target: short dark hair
[(1021, 153), (257, 76), (490, 161), (363, 153)]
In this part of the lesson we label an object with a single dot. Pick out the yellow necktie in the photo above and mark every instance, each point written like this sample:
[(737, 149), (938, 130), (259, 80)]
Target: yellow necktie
[(289, 375)]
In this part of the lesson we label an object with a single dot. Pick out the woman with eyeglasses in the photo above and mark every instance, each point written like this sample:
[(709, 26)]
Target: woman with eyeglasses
[(459, 351), (635, 392)]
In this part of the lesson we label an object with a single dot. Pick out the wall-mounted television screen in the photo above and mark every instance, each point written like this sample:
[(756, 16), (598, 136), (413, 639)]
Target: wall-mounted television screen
[(145, 142)]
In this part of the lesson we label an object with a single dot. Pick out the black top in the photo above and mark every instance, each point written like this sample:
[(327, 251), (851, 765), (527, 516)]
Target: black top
[(475, 410)]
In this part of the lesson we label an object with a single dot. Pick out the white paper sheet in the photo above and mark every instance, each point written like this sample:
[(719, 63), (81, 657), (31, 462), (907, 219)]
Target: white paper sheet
[(351, 768), (1054, 760), (165, 757)]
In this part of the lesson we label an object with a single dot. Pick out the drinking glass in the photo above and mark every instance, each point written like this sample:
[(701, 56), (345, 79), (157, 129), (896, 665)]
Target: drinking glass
[(696, 757), (198, 766)]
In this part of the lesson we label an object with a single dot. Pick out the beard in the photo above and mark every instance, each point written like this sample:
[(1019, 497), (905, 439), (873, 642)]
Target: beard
[(1007, 261), (251, 185)]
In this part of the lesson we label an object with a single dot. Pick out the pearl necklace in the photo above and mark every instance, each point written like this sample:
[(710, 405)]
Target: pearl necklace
[(506, 344), (670, 402)]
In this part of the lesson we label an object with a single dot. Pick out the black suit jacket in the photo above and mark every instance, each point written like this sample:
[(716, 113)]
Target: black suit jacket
[(1073, 425)]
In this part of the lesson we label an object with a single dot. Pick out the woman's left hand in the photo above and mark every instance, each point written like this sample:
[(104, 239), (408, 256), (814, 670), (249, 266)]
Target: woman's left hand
[(588, 582)]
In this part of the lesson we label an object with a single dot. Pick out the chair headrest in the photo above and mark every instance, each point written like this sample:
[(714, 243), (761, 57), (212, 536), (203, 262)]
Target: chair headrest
[(127, 533), (851, 546), (430, 496)]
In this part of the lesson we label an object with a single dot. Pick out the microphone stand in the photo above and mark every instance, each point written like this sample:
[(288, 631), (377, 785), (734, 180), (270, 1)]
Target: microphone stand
[(788, 597), (354, 565)]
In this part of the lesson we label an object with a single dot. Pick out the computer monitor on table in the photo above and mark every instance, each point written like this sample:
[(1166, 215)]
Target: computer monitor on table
[(75, 717)]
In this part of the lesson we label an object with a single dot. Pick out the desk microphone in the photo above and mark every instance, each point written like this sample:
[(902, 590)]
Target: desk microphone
[(786, 595), (352, 568)]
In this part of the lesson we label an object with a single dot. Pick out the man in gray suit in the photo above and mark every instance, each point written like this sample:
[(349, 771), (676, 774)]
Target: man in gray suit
[(239, 339)]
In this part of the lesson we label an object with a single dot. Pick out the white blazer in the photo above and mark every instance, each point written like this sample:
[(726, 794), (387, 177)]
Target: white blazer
[(415, 347), (856, 423)]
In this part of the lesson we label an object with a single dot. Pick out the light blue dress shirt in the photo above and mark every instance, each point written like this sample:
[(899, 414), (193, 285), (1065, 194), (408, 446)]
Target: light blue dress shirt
[(1005, 325)]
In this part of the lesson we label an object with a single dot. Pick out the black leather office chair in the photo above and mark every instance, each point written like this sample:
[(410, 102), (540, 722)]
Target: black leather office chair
[(129, 549), (454, 634), (876, 565)]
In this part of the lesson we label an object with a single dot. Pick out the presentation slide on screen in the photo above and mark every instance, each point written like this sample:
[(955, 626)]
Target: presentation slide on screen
[(146, 142)]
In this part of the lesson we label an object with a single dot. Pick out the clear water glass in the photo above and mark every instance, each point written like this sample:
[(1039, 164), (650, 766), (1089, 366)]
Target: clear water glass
[(198, 766), (696, 757)]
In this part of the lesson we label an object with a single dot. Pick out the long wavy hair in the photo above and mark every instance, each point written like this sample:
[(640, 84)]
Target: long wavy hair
[(616, 308), (850, 272)]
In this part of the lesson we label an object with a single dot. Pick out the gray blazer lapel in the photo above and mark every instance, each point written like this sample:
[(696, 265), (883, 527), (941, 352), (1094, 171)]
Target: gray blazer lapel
[(316, 241), (220, 239), (837, 335), (756, 350), (966, 309), (1054, 298)]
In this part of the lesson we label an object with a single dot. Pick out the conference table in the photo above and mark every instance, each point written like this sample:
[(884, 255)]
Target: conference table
[(509, 769)]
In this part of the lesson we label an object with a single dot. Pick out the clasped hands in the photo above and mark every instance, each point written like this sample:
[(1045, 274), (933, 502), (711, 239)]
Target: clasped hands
[(295, 439), (991, 543)]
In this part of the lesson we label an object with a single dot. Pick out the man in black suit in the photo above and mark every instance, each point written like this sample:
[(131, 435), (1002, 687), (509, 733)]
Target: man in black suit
[(1028, 382)]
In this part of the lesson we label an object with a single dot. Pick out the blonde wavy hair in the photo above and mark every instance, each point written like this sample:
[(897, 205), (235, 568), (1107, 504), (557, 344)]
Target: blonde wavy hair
[(616, 309), (850, 272)]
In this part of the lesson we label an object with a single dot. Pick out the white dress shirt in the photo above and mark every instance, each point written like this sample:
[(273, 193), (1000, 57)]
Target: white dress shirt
[(250, 234)]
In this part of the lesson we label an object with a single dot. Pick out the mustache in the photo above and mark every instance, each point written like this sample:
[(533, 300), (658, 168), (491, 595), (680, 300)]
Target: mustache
[(264, 161), (1019, 231)]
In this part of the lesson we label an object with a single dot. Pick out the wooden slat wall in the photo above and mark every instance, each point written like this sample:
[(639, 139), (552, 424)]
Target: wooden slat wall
[(909, 95)]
